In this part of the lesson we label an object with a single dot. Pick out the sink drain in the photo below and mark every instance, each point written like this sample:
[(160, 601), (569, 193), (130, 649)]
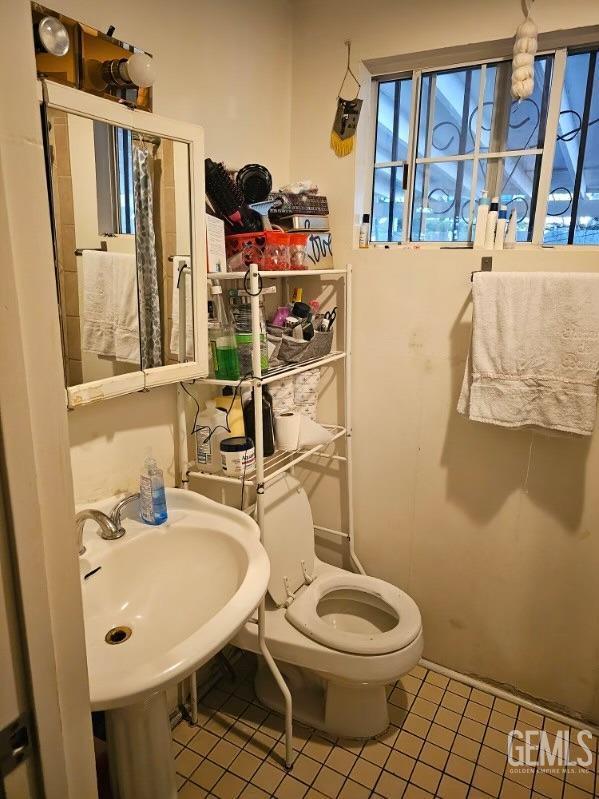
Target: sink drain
[(117, 635)]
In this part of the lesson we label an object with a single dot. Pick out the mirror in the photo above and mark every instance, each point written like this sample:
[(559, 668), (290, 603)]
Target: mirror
[(123, 239)]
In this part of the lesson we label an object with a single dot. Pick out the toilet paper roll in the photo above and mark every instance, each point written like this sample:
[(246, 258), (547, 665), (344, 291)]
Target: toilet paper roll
[(311, 433), (287, 430)]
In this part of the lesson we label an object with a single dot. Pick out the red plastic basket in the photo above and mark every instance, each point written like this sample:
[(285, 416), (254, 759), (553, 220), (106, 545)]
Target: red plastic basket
[(272, 250)]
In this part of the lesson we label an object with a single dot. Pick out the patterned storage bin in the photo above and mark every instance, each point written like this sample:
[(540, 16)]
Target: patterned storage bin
[(294, 350)]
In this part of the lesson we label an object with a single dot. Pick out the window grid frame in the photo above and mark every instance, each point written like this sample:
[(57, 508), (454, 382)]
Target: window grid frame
[(540, 194), (584, 130), (404, 164)]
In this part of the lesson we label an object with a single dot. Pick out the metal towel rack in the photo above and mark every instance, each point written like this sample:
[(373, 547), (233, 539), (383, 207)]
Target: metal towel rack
[(183, 267), (486, 265), (102, 248)]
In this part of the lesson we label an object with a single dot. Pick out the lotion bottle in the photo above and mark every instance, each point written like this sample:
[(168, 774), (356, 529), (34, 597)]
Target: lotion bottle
[(364, 231), (512, 229), (501, 226), (491, 224), (481, 221)]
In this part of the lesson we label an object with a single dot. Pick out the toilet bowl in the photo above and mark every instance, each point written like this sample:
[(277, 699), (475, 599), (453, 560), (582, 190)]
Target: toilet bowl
[(338, 638)]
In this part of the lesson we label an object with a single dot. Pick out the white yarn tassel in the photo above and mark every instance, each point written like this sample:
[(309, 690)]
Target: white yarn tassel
[(523, 64)]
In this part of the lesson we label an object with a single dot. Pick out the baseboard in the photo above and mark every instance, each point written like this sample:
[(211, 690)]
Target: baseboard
[(512, 696)]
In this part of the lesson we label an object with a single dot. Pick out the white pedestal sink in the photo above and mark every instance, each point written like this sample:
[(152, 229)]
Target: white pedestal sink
[(173, 596)]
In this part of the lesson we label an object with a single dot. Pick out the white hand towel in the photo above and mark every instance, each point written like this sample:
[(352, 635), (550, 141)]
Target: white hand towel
[(126, 329), (185, 284), (534, 354), (97, 313), (110, 313)]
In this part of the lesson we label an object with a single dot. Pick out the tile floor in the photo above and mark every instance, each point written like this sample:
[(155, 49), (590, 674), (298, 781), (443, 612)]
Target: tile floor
[(445, 740)]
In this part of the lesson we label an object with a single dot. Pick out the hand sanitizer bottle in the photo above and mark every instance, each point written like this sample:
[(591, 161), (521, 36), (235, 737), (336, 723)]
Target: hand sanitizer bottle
[(152, 495)]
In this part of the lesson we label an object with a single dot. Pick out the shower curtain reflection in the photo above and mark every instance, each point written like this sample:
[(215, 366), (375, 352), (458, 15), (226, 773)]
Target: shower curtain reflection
[(147, 259)]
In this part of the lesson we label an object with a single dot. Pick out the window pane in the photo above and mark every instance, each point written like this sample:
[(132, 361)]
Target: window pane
[(387, 204), (125, 181), (515, 181), (587, 219), (508, 124), (575, 176), (491, 81), (393, 120), (441, 209), (447, 105)]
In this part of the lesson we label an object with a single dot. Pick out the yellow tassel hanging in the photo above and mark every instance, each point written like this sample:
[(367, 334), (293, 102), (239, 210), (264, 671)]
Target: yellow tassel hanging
[(341, 147), (346, 116)]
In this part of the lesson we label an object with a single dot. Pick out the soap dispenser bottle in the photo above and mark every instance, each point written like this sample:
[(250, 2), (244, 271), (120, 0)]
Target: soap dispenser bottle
[(151, 492)]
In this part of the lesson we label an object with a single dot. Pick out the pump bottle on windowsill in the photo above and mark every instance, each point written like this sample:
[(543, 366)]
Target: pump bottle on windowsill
[(364, 231)]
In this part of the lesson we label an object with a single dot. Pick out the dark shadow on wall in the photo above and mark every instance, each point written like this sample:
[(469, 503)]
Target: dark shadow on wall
[(556, 478), (486, 463)]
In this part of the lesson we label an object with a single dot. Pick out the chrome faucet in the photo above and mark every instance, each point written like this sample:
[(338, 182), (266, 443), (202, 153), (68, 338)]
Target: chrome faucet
[(115, 513), (108, 529)]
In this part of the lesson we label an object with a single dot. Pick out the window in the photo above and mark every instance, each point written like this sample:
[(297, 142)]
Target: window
[(442, 137), (573, 207), (114, 179), (391, 168), (124, 166)]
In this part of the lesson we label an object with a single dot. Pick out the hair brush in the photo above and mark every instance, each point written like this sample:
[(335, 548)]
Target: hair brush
[(227, 200)]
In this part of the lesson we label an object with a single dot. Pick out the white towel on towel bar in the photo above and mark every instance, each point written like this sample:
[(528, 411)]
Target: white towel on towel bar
[(126, 329), (534, 353), (109, 314), (184, 283)]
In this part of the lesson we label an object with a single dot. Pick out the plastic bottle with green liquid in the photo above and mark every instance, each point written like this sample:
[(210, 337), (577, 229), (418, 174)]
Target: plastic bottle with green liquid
[(223, 345)]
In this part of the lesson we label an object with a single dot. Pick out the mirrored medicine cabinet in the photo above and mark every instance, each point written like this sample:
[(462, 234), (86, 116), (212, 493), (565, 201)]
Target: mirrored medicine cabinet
[(126, 193)]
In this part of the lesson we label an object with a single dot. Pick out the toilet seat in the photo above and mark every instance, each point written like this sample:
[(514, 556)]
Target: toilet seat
[(346, 612), (363, 593)]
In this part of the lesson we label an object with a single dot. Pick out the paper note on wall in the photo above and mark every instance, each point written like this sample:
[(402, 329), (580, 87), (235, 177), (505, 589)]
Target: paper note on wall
[(215, 244)]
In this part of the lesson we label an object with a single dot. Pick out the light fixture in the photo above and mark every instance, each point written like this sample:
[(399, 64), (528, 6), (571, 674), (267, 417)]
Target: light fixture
[(137, 70), (52, 36)]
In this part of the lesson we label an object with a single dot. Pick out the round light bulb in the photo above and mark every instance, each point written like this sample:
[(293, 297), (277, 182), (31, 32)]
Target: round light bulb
[(140, 69), (53, 36)]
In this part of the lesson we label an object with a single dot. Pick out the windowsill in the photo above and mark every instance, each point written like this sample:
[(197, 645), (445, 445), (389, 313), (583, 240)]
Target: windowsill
[(521, 246)]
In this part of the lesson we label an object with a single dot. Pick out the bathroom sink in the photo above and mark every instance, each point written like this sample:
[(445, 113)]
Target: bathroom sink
[(161, 601)]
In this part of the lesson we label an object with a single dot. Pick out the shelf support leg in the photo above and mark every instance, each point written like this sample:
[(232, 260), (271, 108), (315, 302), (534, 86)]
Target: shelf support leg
[(348, 423), (259, 448), (194, 698)]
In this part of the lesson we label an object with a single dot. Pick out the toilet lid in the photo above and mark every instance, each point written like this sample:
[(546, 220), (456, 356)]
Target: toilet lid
[(288, 536), (358, 591)]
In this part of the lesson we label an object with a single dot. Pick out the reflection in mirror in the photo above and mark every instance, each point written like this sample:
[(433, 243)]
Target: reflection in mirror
[(121, 207)]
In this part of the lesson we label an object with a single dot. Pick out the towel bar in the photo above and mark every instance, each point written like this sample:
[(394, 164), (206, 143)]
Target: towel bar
[(486, 265), (101, 248)]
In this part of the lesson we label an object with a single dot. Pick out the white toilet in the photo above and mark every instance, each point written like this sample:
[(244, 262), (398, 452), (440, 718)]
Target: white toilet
[(338, 638)]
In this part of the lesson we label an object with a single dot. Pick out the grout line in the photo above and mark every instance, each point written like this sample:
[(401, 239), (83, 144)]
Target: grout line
[(516, 699), (266, 757)]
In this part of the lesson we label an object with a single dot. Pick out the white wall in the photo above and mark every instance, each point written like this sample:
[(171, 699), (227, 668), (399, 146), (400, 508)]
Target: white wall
[(495, 533), (34, 461), (227, 67)]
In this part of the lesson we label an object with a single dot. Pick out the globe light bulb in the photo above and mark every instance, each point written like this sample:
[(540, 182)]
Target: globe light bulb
[(53, 36), (140, 70)]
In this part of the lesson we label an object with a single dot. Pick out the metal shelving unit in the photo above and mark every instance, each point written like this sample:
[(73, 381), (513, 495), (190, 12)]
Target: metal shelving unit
[(282, 461), (269, 468), (294, 273), (281, 372)]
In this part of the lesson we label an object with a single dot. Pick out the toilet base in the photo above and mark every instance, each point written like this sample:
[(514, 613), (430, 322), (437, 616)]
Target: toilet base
[(342, 709)]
